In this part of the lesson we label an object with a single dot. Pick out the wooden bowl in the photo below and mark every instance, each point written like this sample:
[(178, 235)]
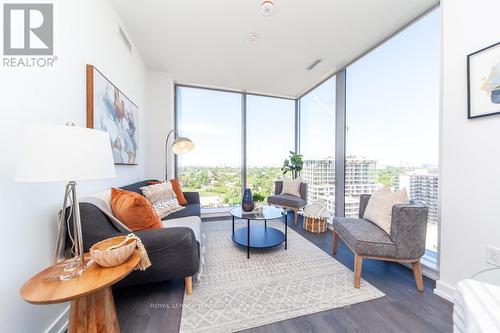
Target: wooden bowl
[(114, 257)]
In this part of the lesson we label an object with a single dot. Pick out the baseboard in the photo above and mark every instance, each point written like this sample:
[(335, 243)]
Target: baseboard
[(426, 271), (61, 323), (445, 291)]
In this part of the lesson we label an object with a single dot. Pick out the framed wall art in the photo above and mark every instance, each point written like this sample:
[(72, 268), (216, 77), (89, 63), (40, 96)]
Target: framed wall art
[(109, 110), (483, 82)]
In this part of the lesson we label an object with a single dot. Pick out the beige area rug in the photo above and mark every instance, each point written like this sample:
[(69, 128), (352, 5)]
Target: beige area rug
[(237, 293)]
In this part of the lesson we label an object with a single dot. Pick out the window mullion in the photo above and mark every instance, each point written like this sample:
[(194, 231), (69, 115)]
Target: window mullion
[(340, 137)]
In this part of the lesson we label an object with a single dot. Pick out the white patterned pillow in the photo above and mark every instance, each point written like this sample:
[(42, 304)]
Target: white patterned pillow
[(291, 186), (379, 207), (162, 197)]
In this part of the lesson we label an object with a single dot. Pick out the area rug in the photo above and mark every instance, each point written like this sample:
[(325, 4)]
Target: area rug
[(237, 293)]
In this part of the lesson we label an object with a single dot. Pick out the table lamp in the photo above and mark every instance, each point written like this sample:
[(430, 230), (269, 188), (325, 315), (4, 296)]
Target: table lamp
[(57, 153), (181, 145)]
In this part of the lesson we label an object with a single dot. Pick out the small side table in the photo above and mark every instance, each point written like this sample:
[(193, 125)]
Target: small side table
[(92, 305), (314, 224), (491, 276)]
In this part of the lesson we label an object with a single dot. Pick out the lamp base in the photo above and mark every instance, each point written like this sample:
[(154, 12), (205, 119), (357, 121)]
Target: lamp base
[(68, 270)]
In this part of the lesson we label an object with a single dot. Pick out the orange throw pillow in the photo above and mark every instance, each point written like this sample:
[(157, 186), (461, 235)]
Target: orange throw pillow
[(176, 186), (134, 210)]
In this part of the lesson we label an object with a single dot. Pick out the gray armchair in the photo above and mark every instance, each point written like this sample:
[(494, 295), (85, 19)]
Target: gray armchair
[(289, 201), (406, 243)]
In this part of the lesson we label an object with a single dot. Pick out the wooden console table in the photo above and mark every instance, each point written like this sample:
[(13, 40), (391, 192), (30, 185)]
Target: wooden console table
[(92, 305)]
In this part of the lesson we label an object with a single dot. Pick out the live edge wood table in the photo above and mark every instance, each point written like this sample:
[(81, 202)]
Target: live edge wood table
[(92, 305)]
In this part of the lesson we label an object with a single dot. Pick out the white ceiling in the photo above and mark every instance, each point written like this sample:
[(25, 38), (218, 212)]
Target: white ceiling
[(204, 42)]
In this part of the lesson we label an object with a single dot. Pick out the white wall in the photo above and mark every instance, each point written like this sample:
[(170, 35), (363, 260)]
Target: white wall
[(160, 120), (470, 179), (86, 32)]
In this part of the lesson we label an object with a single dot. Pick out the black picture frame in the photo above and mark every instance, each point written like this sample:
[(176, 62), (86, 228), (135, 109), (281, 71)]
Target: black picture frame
[(470, 57)]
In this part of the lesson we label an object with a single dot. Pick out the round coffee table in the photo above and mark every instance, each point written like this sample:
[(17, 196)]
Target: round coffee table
[(259, 236)]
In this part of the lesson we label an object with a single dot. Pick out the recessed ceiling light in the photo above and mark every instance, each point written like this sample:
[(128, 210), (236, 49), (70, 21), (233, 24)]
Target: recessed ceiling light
[(266, 7), (252, 37)]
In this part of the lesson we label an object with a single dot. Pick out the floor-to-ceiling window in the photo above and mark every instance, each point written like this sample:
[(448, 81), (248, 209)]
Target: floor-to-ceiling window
[(317, 143), (391, 139), (212, 120), (392, 115), (270, 127)]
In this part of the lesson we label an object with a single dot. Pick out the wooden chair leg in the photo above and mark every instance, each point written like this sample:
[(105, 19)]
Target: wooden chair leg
[(188, 281), (417, 273), (296, 211), (358, 264), (335, 242)]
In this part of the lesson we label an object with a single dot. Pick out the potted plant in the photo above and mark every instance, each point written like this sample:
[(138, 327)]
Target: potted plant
[(259, 199), (294, 164)]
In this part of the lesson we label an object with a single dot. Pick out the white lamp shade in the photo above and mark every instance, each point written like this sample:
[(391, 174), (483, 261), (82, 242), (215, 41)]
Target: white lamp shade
[(54, 153), (182, 145)]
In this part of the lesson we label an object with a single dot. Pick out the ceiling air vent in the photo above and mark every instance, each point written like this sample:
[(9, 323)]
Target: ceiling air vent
[(314, 64), (125, 40)]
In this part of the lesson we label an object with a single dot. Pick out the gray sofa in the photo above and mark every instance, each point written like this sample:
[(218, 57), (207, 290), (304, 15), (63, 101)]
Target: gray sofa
[(174, 252), (406, 243)]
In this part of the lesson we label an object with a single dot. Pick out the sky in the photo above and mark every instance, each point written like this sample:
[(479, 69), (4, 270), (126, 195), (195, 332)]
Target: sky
[(392, 94), (392, 111)]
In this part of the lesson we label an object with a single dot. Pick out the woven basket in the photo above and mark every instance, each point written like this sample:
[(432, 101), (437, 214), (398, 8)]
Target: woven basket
[(114, 257), (314, 224)]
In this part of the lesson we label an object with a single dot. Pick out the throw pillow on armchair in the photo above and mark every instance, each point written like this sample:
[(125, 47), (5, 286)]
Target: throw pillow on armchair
[(291, 186), (379, 207)]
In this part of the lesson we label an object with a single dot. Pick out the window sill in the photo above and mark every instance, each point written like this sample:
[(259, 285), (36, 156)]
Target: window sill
[(215, 212)]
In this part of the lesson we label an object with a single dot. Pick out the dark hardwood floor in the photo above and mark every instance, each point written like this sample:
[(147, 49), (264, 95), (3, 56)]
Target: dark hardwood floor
[(157, 307)]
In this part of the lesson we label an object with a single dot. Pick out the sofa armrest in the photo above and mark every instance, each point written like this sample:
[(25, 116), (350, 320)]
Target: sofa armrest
[(363, 202), (173, 252), (192, 197), (409, 229), (158, 240)]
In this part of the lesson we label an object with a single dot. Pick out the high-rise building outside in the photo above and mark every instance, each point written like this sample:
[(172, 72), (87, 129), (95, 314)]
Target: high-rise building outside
[(424, 190), (360, 178)]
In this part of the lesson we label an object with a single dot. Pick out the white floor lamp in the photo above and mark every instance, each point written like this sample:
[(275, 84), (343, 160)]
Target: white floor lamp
[(54, 153), (181, 145)]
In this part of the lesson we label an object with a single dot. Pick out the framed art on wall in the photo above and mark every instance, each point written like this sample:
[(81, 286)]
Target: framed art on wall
[(109, 110), (483, 82)]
